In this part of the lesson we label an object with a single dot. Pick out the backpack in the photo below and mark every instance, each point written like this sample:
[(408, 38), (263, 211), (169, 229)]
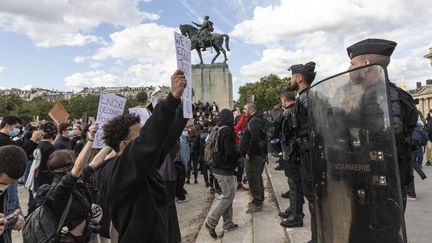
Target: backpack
[(42, 225), (212, 153), (420, 136), (409, 112)]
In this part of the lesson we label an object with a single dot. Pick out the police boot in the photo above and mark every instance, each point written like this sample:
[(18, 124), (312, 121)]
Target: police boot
[(286, 213), (292, 221)]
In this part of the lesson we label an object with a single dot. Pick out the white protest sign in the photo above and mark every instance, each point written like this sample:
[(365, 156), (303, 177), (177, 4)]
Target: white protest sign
[(143, 113), (110, 106), (183, 53)]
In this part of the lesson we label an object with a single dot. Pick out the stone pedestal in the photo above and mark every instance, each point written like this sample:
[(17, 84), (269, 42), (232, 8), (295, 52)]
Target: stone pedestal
[(213, 83)]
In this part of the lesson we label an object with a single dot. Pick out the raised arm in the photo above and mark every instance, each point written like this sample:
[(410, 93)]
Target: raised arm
[(143, 153)]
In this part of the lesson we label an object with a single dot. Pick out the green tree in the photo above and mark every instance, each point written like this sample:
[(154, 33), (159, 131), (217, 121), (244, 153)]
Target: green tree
[(141, 97), (266, 91), (8, 103)]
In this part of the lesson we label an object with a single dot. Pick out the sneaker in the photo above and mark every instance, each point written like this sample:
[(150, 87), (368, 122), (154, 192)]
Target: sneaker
[(411, 198), (428, 163), (220, 196), (207, 184), (211, 231), (254, 208), (184, 200), (231, 228)]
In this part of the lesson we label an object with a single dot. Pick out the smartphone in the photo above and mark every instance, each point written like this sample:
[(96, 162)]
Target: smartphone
[(11, 221)]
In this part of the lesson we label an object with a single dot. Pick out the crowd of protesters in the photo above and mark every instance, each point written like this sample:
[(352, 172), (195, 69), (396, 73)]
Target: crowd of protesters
[(80, 194)]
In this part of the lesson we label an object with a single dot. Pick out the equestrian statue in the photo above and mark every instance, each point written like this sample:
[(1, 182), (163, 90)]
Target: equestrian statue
[(203, 37)]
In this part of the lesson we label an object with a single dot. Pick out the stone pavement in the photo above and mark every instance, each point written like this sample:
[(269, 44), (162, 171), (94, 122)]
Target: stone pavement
[(418, 216), (259, 227)]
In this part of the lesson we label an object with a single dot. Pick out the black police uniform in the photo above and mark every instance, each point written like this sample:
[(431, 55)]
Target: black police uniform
[(302, 140), (294, 213)]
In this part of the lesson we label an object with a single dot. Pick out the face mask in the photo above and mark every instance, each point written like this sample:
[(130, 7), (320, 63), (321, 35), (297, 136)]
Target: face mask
[(3, 188), (71, 133), (185, 133), (14, 132)]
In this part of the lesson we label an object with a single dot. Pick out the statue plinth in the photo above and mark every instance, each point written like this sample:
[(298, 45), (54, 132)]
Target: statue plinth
[(213, 83)]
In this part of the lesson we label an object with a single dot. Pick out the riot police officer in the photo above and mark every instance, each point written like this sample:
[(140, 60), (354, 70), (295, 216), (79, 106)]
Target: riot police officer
[(302, 77), (294, 214)]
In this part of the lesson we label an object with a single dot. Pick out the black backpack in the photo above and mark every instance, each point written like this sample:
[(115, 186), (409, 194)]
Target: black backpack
[(42, 225), (409, 112)]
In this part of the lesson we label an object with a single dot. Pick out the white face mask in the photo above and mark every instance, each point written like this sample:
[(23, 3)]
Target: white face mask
[(185, 133)]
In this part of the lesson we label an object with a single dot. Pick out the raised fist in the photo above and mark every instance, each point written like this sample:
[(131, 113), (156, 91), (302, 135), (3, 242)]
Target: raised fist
[(178, 84)]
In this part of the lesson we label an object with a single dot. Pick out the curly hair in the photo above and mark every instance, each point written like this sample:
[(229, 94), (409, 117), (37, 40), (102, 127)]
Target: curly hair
[(117, 129), (13, 161)]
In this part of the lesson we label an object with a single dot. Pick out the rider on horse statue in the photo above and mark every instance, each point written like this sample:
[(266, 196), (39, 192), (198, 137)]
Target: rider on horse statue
[(204, 33)]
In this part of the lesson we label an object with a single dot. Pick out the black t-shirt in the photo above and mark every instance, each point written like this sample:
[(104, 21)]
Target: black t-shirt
[(5, 140)]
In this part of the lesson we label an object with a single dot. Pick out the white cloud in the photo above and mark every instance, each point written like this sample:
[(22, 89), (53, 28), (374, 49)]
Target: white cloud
[(148, 49), (95, 65), (145, 42), (93, 79), (79, 59), (321, 31), (55, 23)]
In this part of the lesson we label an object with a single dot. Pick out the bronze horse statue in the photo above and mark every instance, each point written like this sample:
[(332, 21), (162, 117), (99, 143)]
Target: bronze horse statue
[(216, 41)]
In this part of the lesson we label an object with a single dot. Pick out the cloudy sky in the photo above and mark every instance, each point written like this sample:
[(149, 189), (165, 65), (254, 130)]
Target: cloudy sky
[(70, 44)]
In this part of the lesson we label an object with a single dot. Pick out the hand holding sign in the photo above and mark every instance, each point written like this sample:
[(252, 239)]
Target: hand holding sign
[(178, 84)]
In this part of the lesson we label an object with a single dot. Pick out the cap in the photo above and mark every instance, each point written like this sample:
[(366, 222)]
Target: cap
[(372, 46), (308, 68)]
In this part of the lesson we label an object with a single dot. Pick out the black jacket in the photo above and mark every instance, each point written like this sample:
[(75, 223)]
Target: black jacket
[(58, 197), (227, 145), (253, 139), (136, 195)]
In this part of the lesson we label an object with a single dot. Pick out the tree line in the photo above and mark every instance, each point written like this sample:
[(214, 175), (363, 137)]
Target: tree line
[(12, 104)]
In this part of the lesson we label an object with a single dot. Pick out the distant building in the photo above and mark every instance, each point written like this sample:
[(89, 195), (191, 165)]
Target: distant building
[(55, 95), (429, 55)]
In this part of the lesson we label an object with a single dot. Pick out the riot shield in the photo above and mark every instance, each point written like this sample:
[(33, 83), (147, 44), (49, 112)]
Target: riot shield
[(355, 169)]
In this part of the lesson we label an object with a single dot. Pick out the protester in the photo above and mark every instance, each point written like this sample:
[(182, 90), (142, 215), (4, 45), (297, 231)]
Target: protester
[(13, 162), (79, 139), (136, 192), (224, 172), (10, 127), (38, 173), (68, 189), (254, 148), (181, 164), (239, 129), (65, 134)]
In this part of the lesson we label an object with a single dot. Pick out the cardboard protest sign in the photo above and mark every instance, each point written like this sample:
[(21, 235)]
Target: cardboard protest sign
[(143, 113), (58, 113), (183, 54), (110, 106)]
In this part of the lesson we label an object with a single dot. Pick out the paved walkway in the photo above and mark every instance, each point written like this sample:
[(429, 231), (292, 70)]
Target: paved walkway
[(259, 227), (418, 216)]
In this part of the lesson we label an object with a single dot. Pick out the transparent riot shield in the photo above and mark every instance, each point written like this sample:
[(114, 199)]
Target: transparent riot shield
[(356, 176)]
